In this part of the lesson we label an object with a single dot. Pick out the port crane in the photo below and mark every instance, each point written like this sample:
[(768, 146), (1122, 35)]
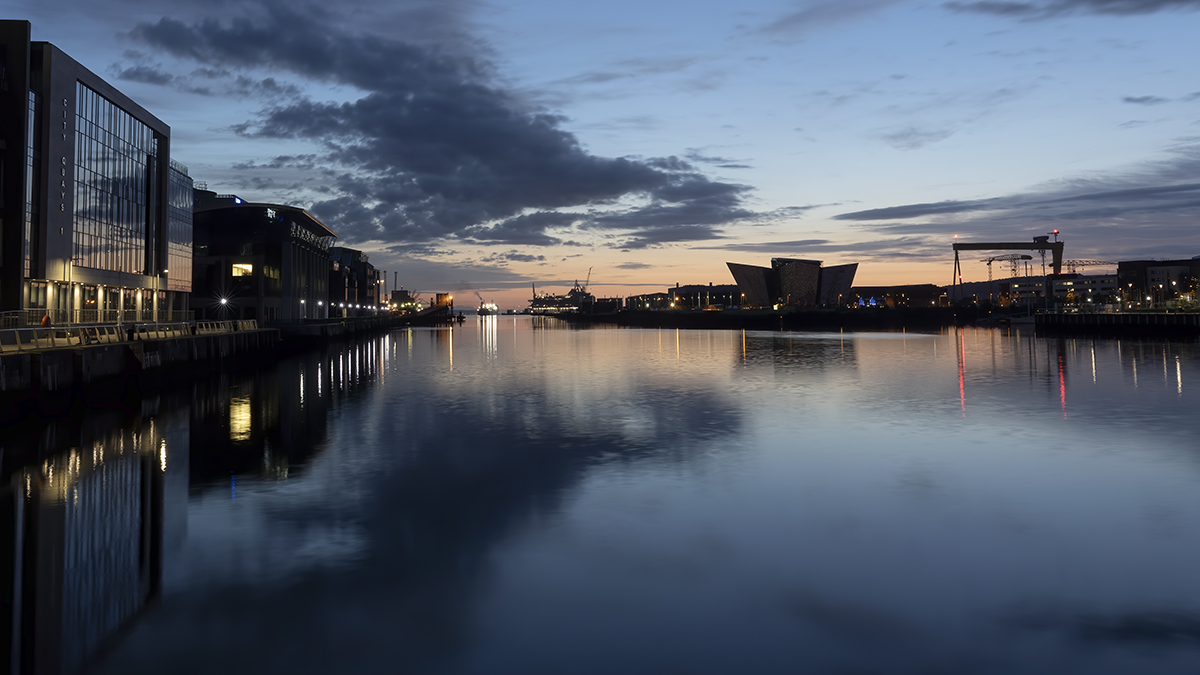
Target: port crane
[(1040, 244), (1014, 258), (1072, 265)]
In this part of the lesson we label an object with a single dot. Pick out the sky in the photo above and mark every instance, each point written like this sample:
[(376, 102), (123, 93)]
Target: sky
[(479, 147)]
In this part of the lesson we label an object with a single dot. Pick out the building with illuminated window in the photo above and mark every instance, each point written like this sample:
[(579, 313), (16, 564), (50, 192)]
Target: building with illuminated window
[(95, 217), (258, 261)]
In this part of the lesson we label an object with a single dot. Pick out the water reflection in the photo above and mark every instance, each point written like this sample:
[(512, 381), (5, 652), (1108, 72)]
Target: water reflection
[(506, 497), (88, 523)]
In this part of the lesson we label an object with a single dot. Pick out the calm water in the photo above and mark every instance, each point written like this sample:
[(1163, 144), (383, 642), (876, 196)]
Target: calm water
[(513, 497)]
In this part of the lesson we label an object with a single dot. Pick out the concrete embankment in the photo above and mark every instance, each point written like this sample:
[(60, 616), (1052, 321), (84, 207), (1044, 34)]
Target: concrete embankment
[(52, 380), (1126, 323)]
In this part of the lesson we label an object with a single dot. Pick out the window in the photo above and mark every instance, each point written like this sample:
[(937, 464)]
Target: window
[(241, 270)]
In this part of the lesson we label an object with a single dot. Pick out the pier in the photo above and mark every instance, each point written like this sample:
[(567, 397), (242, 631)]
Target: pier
[(1135, 323)]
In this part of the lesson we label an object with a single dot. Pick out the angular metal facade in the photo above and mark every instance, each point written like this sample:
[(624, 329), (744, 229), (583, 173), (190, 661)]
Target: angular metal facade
[(754, 283), (835, 284)]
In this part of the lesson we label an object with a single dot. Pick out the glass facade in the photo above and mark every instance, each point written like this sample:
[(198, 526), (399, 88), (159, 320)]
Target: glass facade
[(31, 213), (115, 157), (179, 229)]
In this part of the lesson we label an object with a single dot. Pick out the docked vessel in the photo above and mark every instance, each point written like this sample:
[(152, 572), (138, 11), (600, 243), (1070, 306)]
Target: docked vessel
[(548, 303), (488, 309)]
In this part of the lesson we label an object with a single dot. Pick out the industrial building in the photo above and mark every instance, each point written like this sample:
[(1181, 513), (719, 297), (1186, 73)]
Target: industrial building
[(95, 217)]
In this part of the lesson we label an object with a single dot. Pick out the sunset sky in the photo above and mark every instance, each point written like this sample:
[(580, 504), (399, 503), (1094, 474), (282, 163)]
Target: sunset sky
[(484, 145)]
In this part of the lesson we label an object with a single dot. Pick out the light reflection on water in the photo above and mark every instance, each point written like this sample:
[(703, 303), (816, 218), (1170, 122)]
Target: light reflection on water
[(510, 497)]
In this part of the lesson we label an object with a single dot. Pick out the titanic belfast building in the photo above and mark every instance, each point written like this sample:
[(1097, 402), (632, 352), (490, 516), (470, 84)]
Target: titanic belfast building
[(794, 283), (95, 218)]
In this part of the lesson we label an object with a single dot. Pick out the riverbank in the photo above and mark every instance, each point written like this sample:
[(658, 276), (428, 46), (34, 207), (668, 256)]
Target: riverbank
[(866, 319), (1135, 324), (53, 376), (51, 381)]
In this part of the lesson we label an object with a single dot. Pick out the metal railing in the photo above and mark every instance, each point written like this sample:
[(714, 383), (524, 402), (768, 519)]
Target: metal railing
[(22, 318), (31, 338)]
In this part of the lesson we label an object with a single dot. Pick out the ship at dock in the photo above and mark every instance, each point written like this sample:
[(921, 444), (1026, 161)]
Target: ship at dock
[(548, 303), (487, 309)]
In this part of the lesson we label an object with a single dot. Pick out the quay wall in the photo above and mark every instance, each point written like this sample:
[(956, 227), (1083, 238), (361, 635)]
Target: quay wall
[(52, 380), (873, 319), (1135, 323)]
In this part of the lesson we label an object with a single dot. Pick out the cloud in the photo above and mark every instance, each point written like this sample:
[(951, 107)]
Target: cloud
[(912, 138), (634, 266), (434, 147), (145, 74), (1146, 100), (814, 15), (632, 68), (1149, 627), (303, 162), (1150, 211), (915, 210), (853, 251), (719, 162), (1052, 8), (515, 256)]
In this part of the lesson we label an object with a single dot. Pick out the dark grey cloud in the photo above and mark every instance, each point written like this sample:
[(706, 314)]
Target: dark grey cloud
[(904, 247), (1146, 100), (916, 210), (434, 147), (634, 266), (146, 74), (204, 81), (305, 162), (1149, 627), (653, 237), (1148, 212), (912, 138), (814, 15), (693, 217), (529, 229), (1052, 8), (632, 68), (719, 162), (514, 256)]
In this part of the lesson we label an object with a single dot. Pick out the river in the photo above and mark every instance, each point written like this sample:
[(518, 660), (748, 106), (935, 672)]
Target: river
[(517, 496)]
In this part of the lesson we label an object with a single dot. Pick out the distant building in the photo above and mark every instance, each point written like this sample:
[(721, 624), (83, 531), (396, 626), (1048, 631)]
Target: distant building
[(793, 282), (648, 301), (1158, 281), (259, 261), (911, 295), (1085, 289), (355, 286), (95, 217), (699, 296), (1065, 288)]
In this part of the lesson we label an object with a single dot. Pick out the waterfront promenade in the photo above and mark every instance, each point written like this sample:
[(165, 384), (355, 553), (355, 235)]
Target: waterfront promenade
[(50, 370)]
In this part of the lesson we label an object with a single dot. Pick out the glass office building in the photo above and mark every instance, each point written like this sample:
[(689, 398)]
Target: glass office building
[(96, 222)]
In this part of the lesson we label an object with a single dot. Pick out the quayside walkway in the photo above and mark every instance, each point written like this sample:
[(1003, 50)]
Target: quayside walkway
[(33, 338), (55, 363)]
